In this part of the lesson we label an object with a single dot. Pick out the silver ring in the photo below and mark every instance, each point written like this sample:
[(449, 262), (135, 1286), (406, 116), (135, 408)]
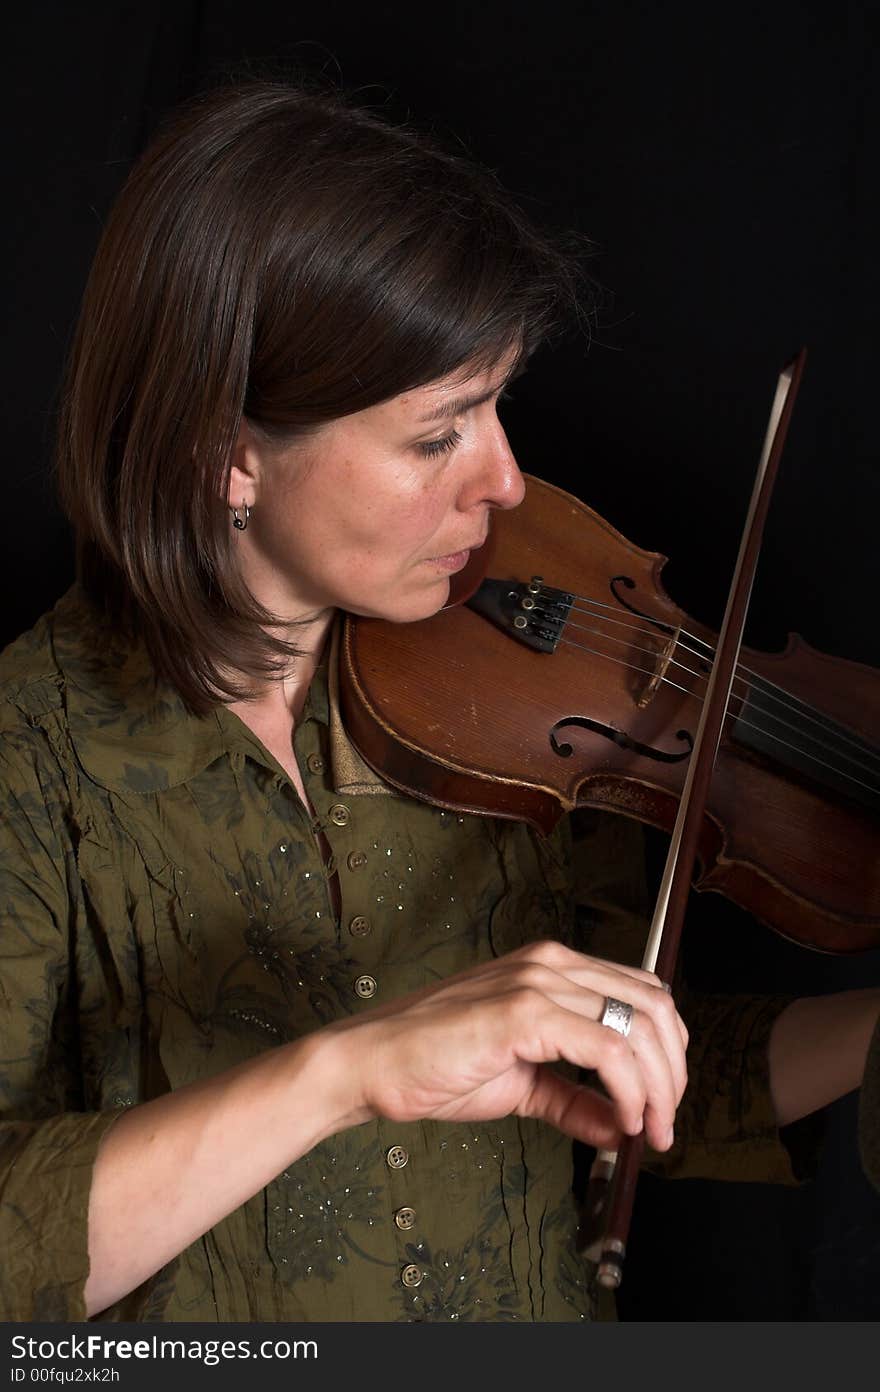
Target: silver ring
[(617, 1015)]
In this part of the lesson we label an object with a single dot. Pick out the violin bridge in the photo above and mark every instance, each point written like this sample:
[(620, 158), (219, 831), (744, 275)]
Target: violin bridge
[(663, 657)]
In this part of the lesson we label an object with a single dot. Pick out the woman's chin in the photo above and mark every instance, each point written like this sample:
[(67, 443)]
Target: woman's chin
[(415, 607)]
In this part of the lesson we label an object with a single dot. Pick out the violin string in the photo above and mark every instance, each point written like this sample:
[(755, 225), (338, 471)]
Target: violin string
[(798, 709), (785, 744), (662, 623), (754, 709), (755, 706), (840, 734), (619, 662), (801, 709)]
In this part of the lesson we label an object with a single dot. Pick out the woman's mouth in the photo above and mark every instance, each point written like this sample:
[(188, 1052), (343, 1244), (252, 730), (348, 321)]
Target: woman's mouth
[(455, 560)]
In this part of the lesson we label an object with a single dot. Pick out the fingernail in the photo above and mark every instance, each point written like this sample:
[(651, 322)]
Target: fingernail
[(670, 1137)]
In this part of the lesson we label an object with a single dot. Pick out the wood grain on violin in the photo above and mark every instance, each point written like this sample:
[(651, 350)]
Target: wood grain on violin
[(574, 680)]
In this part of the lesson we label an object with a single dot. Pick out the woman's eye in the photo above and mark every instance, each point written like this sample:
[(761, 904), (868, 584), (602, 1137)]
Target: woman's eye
[(431, 448)]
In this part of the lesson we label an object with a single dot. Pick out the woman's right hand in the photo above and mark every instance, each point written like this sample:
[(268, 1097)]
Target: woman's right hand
[(481, 1046)]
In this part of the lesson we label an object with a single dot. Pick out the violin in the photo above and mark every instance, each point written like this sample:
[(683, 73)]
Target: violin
[(564, 676)]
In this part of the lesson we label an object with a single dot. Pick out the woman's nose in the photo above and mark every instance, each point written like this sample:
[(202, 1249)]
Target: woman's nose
[(497, 481)]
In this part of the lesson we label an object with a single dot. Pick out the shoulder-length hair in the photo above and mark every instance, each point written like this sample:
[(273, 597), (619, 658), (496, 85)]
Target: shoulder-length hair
[(280, 256)]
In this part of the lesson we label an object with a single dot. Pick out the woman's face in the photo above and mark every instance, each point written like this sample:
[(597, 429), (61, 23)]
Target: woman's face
[(374, 512)]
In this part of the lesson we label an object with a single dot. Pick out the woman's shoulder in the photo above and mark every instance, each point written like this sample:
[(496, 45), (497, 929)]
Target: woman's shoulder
[(30, 675), (63, 672), (80, 692), (64, 644), (35, 762)]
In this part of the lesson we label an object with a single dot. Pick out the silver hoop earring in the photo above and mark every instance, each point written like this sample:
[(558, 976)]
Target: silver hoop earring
[(240, 523)]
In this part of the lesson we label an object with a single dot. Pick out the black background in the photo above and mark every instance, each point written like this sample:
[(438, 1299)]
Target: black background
[(722, 160)]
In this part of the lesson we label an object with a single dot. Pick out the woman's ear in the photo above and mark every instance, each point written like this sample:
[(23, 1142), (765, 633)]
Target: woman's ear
[(245, 473)]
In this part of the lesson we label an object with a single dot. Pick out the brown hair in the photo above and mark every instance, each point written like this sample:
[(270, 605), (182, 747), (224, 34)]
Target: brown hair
[(282, 256)]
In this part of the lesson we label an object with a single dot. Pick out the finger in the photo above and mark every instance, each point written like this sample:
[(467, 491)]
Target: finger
[(651, 1087), (658, 1007), (586, 992), (652, 1000), (662, 1096), (602, 974), (662, 1090), (543, 1032), (573, 1108)]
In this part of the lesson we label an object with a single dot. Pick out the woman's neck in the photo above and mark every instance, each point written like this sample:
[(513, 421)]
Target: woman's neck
[(273, 712)]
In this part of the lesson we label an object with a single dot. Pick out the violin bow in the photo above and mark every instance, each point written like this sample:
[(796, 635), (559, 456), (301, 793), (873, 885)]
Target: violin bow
[(611, 1193)]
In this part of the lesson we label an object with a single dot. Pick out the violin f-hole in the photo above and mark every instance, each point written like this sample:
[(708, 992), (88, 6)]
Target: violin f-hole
[(631, 608), (618, 737)]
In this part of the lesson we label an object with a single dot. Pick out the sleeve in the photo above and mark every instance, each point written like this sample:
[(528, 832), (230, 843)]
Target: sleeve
[(725, 1127), (47, 1143)]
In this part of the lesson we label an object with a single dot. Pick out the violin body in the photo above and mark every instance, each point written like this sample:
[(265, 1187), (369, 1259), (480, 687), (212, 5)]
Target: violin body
[(460, 711)]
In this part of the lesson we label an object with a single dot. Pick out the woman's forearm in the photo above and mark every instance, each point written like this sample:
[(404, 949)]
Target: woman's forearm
[(170, 1169), (817, 1050)]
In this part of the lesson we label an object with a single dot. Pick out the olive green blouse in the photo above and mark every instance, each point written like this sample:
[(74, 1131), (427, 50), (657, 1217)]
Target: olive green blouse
[(165, 915)]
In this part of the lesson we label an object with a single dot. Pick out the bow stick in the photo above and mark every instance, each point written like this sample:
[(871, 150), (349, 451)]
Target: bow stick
[(611, 1193)]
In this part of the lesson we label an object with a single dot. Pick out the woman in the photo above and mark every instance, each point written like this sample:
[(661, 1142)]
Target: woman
[(279, 1042)]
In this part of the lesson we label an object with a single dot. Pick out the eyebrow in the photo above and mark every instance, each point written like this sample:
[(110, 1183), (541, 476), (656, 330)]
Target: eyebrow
[(459, 405)]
